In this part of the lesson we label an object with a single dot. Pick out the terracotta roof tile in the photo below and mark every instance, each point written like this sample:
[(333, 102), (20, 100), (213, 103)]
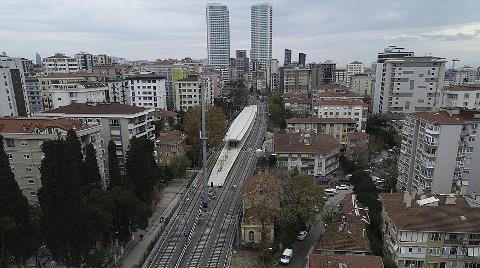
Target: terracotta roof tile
[(357, 136), (171, 137), (462, 88), (294, 143), (97, 108), (190, 78), (339, 94), (443, 117), (441, 218), (28, 125), (349, 261)]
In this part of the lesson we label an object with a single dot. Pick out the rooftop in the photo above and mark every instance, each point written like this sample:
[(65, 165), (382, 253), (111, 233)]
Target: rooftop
[(357, 136), (92, 84), (28, 125), (319, 120), (348, 237), (171, 137), (144, 76), (339, 102), (462, 88), (444, 117), (190, 78), (339, 94), (97, 108), (461, 215), (331, 87), (58, 56), (345, 261), (242, 122), (296, 143)]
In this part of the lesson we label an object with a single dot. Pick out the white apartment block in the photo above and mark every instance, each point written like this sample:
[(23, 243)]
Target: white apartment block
[(408, 84), (218, 37), (431, 230), (466, 75), (460, 96), (188, 92), (34, 94), (119, 122), (354, 68), (439, 152), (13, 97), (85, 60), (60, 63), (147, 90), (118, 90), (309, 153), (81, 92), (261, 34), (341, 108), (55, 80), (23, 138), (362, 84)]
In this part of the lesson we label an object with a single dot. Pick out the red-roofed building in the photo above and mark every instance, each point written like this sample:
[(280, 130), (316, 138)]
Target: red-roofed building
[(344, 261), (460, 96), (169, 145), (23, 138)]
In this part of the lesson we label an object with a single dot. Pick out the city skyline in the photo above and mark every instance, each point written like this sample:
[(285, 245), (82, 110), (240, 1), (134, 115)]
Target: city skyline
[(451, 30)]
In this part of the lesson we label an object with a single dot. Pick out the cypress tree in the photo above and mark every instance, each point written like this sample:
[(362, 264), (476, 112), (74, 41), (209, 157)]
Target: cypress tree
[(113, 167), (92, 173), (65, 222), (74, 145), (141, 168), (16, 233)]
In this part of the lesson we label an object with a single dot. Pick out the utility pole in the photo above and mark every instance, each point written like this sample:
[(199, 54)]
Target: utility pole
[(203, 138)]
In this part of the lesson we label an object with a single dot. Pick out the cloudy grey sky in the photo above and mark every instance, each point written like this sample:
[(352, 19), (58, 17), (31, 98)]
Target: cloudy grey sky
[(341, 30)]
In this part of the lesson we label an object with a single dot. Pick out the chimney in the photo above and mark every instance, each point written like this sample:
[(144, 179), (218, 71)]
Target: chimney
[(450, 199)]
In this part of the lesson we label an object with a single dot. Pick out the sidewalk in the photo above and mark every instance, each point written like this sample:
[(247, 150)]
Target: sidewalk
[(136, 248)]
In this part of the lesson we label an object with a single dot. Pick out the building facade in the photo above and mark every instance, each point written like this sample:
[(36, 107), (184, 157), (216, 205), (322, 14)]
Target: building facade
[(81, 92), (460, 96), (34, 94), (188, 92), (438, 152), (362, 84), (59, 63), (261, 34), (339, 128), (353, 68), (169, 145), (218, 37), (13, 96), (147, 90), (322, 73), (338, 108), (296, 80), (24, 137)]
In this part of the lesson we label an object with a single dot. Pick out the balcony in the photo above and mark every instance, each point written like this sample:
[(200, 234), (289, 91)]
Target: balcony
[(432, 131), (454, 241)]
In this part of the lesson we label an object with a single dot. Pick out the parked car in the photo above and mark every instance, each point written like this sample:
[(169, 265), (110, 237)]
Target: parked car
[(286, 256), (331, 191), (367, 170), (342, 187), (301, 235)]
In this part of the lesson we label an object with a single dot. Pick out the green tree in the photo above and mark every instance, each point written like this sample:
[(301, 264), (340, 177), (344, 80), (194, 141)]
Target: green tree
[(16, 233), (141, 168), (92, 174), (179, 165), (159, 126), (74, 145), (115, 177), (389, 263), (65, 224)]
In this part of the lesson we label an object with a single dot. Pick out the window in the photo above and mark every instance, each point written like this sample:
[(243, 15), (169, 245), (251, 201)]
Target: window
[(27, 169), (436, 237), (10, 156), (251, 236), (434, 251), (10, 143), (33, 193), (31, 181), (26, 156), (24, 143)]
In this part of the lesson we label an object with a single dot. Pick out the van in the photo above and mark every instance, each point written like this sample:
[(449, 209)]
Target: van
[(286, 256)]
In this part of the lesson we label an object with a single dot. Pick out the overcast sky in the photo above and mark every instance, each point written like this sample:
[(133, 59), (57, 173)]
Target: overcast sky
[(341, 30)]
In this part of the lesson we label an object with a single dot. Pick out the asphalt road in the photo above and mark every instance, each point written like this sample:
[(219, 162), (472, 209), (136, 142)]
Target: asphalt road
[(301, 249), (189, 243)]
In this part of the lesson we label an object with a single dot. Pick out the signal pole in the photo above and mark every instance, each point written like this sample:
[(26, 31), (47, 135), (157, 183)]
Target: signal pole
[(203, 138)]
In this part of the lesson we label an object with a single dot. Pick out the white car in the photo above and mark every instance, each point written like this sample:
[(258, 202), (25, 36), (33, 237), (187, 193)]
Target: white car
[(301, 235), (342, 187), (348, 177), (286, 256)]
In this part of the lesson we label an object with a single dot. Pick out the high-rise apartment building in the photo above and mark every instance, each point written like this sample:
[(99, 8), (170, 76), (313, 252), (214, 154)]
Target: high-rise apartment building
[(147, 90), (296, 80), (288, 57), (218, 37), (13, 98), (261, 34), (407, 84), (439, 151), (322, 73), (242, 64), (302, 57), (34, 94), (354, 68)]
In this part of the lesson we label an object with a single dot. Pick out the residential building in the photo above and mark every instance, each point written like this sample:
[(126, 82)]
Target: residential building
[(340, 108), (34, 94), (27, 66), (119, 122), (273, 75), (169, 145), (147, 90), (357, 146), (431, 230), (288, 58), (118, 90), (55, 80), (347, 233), (13, 97), (309, 153), (340, 76), (23, 138), (302, 57), (38, 59), (339, 128), (322, 73), (242, 66), (338, 95), (85, 60), (460, 96), (405, 83), (255, 223), (298, 104), (188, 92), (261, 34), (259, 80), (218, 37), (232, 70), (353, 68), (102, 59), (296, 80), (466, 75), (347, 261), (439, 151), (81, 92), (362, 84), (59, 63)]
